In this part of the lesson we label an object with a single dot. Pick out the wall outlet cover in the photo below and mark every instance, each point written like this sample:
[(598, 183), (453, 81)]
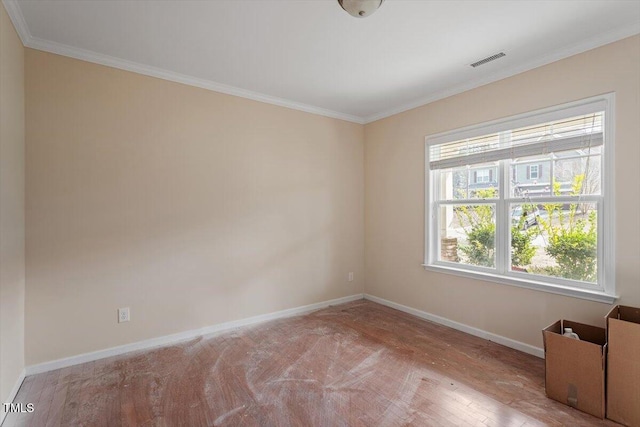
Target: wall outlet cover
[(123, 315)]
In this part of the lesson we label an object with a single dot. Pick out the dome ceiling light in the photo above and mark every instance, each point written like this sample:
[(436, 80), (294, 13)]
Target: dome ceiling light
[(360, 8)]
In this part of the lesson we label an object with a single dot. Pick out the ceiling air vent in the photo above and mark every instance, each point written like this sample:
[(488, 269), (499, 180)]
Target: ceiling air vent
[(488, 59)]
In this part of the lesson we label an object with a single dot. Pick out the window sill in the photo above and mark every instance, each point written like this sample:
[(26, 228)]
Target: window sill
[(591, 295)]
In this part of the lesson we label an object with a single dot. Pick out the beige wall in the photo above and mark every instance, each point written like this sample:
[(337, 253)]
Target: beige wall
[(195, 208), (394, 195), (188, 206), (12, 277)]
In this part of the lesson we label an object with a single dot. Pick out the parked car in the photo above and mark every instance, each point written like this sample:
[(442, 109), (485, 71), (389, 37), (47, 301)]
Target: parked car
[(530, 215)]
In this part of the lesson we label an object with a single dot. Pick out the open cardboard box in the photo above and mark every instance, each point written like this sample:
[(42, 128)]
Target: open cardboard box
[(574, 369), (623, 366)]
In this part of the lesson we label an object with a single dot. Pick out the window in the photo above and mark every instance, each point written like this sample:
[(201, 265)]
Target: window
[(481, 175), (526, 200)]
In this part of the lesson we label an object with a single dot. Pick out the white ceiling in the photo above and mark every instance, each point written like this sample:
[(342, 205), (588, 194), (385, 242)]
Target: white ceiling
[(313, 56)]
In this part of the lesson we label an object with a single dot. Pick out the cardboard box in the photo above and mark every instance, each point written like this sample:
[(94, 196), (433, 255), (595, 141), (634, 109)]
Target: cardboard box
[(574, 369), (623, 366)]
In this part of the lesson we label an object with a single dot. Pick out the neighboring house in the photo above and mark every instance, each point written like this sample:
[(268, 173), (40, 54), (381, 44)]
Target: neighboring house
[(531, 173), (535, 176), (483, 178), (531, 177), (474, 179)]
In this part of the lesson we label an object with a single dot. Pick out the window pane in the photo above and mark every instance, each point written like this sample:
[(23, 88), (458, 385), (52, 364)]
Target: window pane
[(473, 182), (483, 181), (453, 184), (577, 175), (467, 234), (531, 177), (558, 240), (574, 172)]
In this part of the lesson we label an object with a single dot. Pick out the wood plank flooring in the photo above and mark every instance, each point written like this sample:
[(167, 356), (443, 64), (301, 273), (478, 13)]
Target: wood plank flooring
[(356, 364)]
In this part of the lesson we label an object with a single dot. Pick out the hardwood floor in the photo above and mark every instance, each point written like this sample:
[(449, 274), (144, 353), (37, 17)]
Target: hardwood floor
[(356, 364)]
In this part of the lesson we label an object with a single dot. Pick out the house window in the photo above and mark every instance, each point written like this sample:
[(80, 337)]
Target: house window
[(493, 214), (481, 176)]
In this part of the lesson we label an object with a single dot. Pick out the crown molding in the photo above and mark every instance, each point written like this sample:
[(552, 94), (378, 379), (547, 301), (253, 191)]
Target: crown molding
[(589, 44), (17, 19), (148, 70)]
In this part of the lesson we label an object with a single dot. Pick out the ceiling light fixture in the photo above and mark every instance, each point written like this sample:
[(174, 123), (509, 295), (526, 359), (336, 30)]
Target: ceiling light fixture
[(360, 8)]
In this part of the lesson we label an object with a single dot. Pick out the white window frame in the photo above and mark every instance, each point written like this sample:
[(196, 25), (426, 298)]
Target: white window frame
[(531, 171), (604, 290)]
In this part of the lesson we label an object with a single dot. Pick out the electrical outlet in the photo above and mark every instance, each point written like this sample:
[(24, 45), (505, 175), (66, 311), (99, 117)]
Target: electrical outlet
[(351, 276), (123, 315)]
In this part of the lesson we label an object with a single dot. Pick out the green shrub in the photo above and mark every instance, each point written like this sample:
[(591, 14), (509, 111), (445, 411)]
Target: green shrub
[(522, 249), (572, 242), (481, 247), (481, 234), (575, 248)]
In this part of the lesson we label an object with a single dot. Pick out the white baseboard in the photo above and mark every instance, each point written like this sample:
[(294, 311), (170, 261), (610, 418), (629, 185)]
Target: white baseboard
[(508, 342), (12, 394), (226, 326), (182, 336)]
